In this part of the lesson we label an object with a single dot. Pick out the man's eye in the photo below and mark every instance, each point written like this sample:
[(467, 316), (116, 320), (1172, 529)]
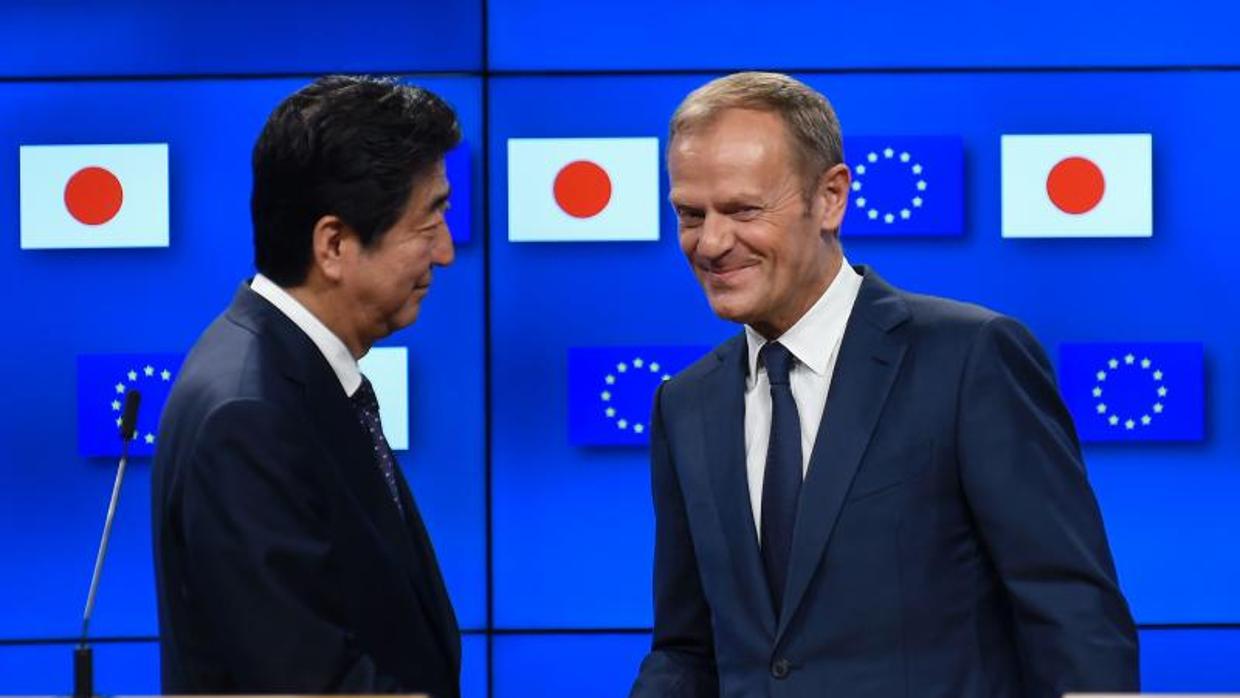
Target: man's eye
[(433, 226), (689, 217)]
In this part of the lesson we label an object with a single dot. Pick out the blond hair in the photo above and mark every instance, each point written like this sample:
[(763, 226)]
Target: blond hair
[(806, 113)]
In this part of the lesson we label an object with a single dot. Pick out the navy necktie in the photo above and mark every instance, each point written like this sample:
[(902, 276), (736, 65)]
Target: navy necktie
[(367, 406), (781, 483)]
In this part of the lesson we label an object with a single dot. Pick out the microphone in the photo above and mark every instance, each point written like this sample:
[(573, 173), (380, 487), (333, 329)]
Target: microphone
[(83, 670), (129, 418)]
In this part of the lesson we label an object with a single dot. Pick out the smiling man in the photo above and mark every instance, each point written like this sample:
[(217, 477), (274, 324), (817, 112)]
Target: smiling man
[(865, 493), (290, 554)]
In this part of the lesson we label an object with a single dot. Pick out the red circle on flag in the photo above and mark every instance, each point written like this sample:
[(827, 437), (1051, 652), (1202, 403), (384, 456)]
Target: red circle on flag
[(582, 189), (1075, 185), (93, 195)]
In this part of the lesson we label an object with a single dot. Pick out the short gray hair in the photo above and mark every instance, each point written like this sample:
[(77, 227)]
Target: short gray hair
[(806, 113)]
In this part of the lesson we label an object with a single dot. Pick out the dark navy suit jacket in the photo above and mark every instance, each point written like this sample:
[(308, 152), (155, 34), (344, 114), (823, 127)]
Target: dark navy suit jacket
[(947, 542), (282, 563)]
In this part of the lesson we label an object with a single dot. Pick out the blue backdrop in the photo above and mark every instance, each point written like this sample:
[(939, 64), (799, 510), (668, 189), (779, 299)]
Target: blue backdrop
[(552, 583)]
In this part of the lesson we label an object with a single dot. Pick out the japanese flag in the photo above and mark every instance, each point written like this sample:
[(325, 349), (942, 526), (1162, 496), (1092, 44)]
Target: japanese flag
[(583, 189), (1087, 185), (75, 196)]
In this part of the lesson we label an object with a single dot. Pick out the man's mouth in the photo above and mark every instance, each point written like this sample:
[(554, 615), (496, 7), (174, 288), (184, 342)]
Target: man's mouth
[(725, 274)]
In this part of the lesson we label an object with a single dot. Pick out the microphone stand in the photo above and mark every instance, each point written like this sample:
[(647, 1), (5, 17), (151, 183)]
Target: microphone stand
[(83, 659)]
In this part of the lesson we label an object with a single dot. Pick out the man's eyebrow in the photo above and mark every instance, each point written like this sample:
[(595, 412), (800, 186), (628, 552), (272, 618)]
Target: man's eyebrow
[(439, 201)]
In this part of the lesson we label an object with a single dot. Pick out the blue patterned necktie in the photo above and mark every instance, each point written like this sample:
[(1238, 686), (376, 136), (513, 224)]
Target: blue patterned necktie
[(367, 406), (781, 483)]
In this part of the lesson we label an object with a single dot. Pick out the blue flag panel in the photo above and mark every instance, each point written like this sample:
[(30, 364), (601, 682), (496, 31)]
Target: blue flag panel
[(460, 178), (611, 390), (905, 186), (102, 383), (1135, 392)]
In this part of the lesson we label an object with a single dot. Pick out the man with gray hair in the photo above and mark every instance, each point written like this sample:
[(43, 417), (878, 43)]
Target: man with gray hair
[(865, 492)]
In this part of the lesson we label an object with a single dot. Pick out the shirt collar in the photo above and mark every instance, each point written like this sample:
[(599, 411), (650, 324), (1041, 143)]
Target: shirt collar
[(813, 338), (331, 346)]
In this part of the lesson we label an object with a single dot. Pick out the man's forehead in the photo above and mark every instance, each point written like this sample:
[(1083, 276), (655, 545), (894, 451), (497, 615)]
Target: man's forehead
[(732, 147), (733, 168), (435, 179), (428, 189), (731, 121), (721, 189)]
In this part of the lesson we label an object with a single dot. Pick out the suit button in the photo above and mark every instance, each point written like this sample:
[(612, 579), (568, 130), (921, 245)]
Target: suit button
[(780, 668)]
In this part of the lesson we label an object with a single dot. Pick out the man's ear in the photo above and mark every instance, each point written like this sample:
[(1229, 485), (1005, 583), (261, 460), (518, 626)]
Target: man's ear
[(330, 245), (832, 191)]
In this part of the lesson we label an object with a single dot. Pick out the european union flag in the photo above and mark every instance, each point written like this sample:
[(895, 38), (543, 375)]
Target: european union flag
[(905, 185), (102, 382), (460, 178), (611, 390), (1135, 392)]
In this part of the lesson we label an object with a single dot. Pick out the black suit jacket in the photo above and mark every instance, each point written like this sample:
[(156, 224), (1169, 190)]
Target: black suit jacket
[(281, 561), (947, 542)]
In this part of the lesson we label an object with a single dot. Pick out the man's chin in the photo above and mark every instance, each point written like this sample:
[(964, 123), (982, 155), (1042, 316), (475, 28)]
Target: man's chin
[(728, 309), (406, 317)]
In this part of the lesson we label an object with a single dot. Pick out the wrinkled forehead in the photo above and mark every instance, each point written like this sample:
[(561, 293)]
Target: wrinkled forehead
[(433, 182), (731, 158)]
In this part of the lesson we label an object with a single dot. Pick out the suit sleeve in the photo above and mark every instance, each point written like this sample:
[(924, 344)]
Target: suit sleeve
[(1025, 482), (681, 662), (256, 536)]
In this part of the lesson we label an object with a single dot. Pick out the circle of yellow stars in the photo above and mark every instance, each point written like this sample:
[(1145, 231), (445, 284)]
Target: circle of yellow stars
[(130, 381), (873, 212), (610, 380), (1129, 422)]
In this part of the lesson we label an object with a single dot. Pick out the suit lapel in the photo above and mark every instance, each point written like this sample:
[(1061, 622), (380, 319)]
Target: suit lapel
[(350, 447), (440, 605), (353, 451), (865, 370), (723, 433)]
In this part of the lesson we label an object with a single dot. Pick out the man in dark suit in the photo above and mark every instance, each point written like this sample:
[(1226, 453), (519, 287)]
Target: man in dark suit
[(290, 555), (867, 493)]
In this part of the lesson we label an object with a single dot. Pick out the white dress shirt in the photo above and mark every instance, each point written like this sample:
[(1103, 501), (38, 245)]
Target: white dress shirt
[(814, 341), (333, 349)]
